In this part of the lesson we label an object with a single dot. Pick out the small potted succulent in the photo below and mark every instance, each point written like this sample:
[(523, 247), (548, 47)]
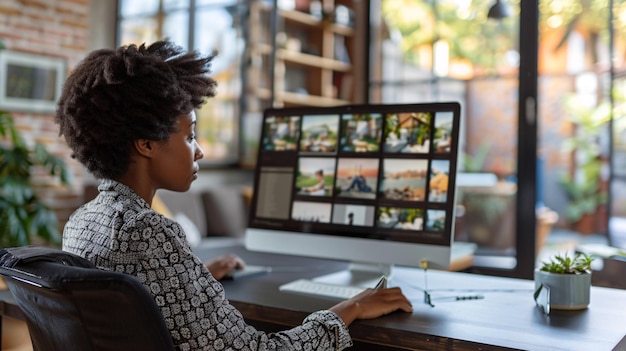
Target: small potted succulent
[(564, 282)]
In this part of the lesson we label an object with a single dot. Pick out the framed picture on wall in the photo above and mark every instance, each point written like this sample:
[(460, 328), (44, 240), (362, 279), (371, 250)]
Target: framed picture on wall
[(30, 82)]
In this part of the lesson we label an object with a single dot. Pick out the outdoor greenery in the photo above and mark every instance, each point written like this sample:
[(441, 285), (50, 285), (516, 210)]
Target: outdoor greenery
[(465, 29), (476, 162), (583, 184), (472, 36), (22, 214), (566, 264)]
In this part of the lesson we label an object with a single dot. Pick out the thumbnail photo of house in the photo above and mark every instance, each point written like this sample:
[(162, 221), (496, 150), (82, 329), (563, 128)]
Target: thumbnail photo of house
[(319, 133), (400, 218), (361, 132), (439, 180), (443, 130), (404, 179), (408, 132), (281, 133), (435, 220)]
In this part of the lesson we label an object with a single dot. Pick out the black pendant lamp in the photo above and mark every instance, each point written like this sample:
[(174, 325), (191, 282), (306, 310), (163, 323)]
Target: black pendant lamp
[(499, 10)]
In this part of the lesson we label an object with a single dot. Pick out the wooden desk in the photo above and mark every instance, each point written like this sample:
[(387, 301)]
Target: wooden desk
[(504, 319)]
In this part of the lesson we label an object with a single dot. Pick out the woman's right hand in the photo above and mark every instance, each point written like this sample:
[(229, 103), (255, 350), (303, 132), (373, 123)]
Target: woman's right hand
[(221, 266), (372, 303)]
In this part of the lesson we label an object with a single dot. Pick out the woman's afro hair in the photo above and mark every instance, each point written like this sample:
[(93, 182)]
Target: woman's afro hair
[(114, 97)]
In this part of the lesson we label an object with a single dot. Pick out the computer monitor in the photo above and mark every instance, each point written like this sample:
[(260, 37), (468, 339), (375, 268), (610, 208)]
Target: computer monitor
[(369, 184)]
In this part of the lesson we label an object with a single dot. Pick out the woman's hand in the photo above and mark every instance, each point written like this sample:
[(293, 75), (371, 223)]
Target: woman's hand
[(221, 266), (372, 304)]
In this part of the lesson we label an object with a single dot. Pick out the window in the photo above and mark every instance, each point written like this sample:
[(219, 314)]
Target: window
[(518, 125), (447, 50), (205, 26)]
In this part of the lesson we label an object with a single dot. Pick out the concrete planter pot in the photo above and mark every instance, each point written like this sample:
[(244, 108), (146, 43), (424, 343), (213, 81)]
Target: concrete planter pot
[(567, 291)]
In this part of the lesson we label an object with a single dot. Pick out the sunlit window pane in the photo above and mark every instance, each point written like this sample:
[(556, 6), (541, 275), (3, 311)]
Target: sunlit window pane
[(448, 50), (216, 28), (138, 30), (215, 31), (130, 8), (200, 3), (175, 4), (176, 27), (217, 128)]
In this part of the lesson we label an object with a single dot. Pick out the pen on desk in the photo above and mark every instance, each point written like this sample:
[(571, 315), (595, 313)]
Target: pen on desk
[(382, 283)]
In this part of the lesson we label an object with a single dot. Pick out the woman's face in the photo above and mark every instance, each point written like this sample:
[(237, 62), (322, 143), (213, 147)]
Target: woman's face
[(176, 166)]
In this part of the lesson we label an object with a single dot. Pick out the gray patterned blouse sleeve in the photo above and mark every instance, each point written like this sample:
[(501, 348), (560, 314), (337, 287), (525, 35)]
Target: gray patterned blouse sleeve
[(193, 303)]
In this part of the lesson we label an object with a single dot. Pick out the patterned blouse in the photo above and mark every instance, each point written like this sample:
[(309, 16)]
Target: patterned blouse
[(119, 231)]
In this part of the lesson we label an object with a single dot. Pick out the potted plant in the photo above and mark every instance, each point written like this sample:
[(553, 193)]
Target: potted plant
[(564, 282), (22, 214)]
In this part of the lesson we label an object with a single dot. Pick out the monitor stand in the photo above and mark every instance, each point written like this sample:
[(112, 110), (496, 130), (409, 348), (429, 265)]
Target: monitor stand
[(362, 275)]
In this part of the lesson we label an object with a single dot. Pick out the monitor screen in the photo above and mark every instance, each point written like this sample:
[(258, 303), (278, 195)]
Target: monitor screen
[(371, 184)]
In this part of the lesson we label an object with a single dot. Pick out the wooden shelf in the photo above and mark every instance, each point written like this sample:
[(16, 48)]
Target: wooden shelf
[(312, 60), (308, 20), (262, 93), (323, 60), (341, 30), (292, 98), (300, 17), (303, 59), (309, 100)]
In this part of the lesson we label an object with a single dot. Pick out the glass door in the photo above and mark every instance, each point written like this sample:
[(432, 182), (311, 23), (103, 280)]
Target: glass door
[(617, 102), (469, 51), (581, 74)]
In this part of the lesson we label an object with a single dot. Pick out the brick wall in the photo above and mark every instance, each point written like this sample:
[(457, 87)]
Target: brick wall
[(54, 28)]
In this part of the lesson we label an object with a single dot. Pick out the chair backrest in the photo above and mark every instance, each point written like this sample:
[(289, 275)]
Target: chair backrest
[(70, 304)]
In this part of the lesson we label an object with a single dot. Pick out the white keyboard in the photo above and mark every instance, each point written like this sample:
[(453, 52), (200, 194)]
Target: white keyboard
[(310, 287)]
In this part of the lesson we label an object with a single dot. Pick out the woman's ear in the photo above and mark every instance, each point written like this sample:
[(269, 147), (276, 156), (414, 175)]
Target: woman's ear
[(144, 147)]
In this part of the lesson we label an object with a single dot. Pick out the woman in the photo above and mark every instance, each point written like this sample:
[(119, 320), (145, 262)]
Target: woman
[(128, 116)]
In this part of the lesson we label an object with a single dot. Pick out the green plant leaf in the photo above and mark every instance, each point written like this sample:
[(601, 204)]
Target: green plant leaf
[(22, 214), (54, 164), (580, 263), (583, 186)]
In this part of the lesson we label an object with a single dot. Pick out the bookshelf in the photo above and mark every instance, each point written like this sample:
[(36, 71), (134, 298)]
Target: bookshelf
[(306, 53), (301, 53)]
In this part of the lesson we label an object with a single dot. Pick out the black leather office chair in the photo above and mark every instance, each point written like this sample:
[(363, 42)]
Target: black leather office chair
[(70, 304)]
